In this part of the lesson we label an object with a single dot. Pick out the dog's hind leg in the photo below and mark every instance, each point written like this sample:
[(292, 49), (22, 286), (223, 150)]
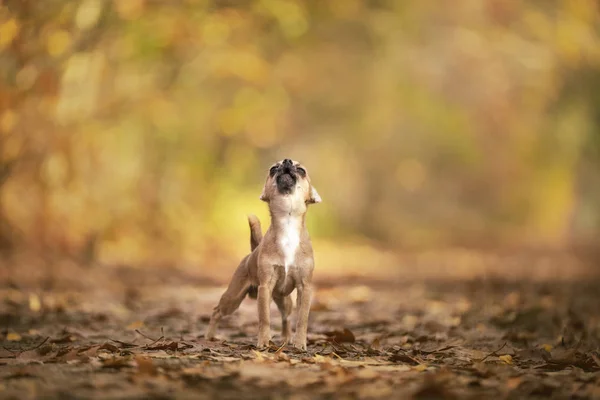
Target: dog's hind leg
[(231, 299), (284, 304)]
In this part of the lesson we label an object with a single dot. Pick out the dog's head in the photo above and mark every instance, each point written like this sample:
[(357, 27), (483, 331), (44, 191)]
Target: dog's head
[(289, 178)]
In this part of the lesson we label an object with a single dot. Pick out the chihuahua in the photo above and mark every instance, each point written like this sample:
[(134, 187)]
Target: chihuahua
[(281, 261)]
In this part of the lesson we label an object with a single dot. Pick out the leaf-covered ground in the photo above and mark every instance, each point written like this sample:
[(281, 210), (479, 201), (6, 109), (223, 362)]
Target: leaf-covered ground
[(139, 334)]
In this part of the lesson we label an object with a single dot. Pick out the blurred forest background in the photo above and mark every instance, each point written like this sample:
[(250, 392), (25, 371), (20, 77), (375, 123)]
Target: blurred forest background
[(141, 131)]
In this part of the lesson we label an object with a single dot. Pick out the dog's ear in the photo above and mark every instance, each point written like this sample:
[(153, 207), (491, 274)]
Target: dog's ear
[(314, 196), (264, 196)]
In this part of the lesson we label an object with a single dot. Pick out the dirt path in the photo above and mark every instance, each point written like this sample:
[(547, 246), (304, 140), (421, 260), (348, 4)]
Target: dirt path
[(429, 339)]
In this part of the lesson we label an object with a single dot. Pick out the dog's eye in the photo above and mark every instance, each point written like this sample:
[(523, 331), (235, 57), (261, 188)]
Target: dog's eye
[(273, 170), (301, 171)]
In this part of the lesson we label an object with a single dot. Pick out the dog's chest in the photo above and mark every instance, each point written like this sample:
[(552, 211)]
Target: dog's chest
[(289, 241)]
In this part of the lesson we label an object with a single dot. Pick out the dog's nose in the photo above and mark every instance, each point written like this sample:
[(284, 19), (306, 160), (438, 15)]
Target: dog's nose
[(287, 162)]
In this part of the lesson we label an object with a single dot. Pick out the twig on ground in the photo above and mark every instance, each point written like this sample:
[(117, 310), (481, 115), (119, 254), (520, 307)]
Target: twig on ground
[(414, 359), (39, 345), (439, 350), (124, 344), (493, 353), (154, 341), (146, 336), (10, 351), (21, 350), (281, 348), (185, 345)]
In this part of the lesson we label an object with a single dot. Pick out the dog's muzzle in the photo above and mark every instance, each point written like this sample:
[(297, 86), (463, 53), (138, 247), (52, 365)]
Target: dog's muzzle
[(286, 177)]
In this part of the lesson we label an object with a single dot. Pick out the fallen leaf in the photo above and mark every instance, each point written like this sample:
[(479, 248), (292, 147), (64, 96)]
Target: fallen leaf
[(507, 358), (13, 337), (513, 383), (29, 355), (166, 345), (259, 356), (89, 352), (344, 336), (63, 339), (145, 365), (547, 347), (135, 325), (420, 367), (109, 347), (281, 356), (561, 356), (376, 345), (570, 358), (35, 304), (402, 357), (117, 363), (319, 359), (69, 355)]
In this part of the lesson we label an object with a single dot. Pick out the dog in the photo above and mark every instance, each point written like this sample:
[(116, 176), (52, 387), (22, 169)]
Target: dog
[(279, 262)]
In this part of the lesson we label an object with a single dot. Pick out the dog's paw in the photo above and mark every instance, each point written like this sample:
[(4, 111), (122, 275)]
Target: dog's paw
[(262, 346), (263, 342), (211, 337), (300, 344)]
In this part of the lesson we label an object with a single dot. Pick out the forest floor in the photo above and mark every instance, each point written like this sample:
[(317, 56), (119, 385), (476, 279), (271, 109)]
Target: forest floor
[(127, 333)]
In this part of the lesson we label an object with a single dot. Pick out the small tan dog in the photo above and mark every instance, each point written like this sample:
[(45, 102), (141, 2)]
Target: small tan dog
[(281, 261)]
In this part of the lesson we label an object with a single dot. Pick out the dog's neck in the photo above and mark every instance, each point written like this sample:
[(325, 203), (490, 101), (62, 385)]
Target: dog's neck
[(288, 225), (287, 210)]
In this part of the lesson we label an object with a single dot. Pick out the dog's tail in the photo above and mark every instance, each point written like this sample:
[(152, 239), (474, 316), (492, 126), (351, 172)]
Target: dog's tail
[(255, 231), (255, 238)]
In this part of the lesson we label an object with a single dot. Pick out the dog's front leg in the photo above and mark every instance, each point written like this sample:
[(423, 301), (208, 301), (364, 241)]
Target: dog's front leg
[(304, 299), (265, 291)]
